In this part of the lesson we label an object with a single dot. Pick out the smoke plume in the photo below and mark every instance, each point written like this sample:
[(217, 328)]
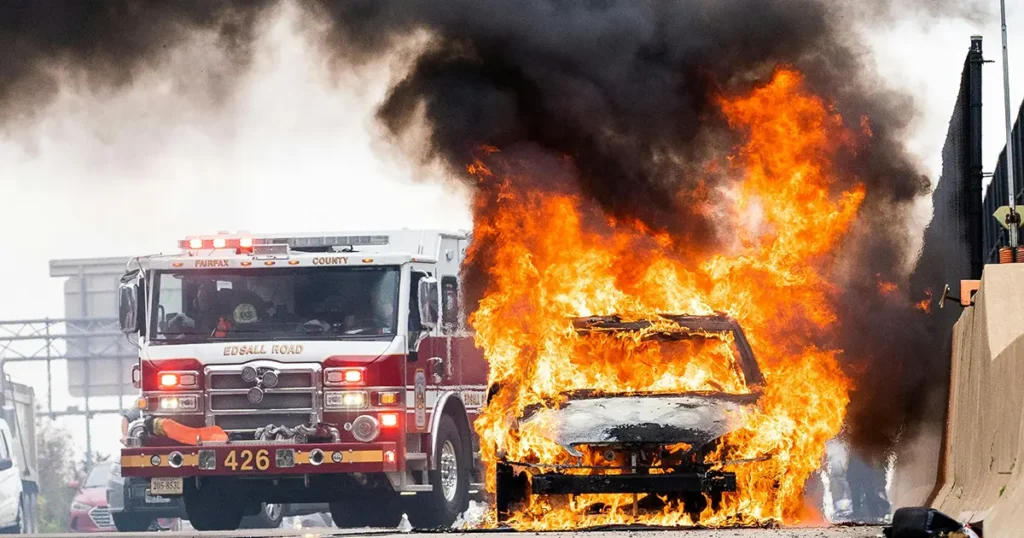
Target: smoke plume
[(106, 45), (626, 91)]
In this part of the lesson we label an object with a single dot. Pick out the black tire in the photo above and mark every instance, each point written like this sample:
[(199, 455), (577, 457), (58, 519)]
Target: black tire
[(439, 508), (509, 490), (920, 521), (128, 522), (216, 506), (367, 508), (269, 517)]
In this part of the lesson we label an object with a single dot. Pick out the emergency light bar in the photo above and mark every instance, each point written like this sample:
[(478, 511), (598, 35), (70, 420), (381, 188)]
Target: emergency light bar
[(327, 241), (201, 243), (249, 243)]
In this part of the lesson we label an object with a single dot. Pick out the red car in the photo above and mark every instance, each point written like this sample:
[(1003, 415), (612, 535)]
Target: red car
[(89, 512)]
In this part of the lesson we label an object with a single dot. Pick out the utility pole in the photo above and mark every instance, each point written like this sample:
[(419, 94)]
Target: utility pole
[(1013, 219)]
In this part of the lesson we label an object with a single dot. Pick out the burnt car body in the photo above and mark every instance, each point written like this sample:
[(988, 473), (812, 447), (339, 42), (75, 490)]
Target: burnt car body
[(639, 443)]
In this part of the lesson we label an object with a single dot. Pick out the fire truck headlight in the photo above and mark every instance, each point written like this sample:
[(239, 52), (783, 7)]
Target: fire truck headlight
[(349, 399), (344, 376), (182, 403)]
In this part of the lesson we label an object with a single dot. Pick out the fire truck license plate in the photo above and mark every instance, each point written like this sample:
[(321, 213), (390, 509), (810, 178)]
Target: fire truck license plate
[(166, 486)]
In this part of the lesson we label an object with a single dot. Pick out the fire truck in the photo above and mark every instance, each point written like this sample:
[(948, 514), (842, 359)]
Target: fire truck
[(327, 368)]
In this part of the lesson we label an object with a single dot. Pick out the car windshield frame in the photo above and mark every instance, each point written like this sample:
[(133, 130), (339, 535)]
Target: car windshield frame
[(160, 336), (104, 468), (746, 363)]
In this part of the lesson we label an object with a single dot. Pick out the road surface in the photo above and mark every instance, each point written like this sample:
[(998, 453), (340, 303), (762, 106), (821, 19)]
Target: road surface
[(834, 532)]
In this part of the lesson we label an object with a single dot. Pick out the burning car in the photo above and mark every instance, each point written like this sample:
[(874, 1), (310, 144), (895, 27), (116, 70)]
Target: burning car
[(661, 447)]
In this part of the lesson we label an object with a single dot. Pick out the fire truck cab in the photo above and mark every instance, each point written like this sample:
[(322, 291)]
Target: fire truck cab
[(305, 369)]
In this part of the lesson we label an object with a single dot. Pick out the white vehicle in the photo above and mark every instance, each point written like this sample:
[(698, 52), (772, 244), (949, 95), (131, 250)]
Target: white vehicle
[(290, 369), (12, 518), (18, 471)]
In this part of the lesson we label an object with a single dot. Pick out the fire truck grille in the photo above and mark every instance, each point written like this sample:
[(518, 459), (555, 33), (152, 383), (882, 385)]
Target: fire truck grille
[(271, 400), (251, 422), (286, 380), (291, 401)]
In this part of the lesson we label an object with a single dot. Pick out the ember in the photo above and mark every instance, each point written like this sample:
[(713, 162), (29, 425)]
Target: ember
[(555, 256)]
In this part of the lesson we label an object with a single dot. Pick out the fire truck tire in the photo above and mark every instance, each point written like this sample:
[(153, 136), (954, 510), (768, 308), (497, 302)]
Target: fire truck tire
[(213, 508), (450, 479), (371, 508), (269, 517)]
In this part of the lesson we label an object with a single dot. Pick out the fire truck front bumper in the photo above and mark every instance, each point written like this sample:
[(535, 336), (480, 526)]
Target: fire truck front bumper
[(257, 459)]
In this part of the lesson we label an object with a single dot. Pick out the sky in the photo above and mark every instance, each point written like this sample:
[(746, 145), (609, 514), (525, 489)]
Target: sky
[(295, 148)]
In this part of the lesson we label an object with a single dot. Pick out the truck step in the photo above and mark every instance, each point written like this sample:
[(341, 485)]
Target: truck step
[(417, 487), (415, 456)]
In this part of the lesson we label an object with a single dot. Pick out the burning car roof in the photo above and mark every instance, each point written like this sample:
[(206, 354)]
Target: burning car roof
[(680, 326)]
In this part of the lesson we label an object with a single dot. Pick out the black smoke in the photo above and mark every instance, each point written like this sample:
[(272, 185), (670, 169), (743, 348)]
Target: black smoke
[(623, 88), (107, 45), (626, 90)]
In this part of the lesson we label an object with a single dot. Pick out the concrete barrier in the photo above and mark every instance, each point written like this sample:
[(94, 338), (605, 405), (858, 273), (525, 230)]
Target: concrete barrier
[(982, 478)]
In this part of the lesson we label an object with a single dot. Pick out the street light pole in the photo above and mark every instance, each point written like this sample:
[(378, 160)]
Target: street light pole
[(1012, 218)]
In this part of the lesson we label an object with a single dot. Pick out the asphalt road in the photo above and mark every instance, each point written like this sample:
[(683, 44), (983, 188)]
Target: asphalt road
[(833, 532)]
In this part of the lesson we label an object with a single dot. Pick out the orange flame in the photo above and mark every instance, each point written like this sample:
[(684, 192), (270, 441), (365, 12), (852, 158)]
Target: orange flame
[(552, 256), (925, 305), (886, 287)]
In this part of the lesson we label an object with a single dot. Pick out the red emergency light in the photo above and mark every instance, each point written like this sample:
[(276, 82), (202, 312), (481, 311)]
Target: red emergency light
[(239, 244)]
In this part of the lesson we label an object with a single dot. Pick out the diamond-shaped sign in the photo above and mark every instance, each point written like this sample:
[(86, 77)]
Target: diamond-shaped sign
[(1001, 214)]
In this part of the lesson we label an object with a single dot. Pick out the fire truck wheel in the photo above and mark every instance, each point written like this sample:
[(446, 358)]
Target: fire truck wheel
[(216, 506), (370, 508), (269, 517), (450, 478)]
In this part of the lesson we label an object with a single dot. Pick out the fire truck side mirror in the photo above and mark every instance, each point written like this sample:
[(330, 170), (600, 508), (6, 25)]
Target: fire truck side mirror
[(428, 297), (128, 306)]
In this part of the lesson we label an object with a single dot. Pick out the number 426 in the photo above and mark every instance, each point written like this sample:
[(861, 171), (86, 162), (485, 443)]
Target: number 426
[(261, 458)]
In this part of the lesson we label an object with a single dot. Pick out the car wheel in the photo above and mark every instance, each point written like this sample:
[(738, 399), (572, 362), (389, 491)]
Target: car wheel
[(450, 479), (510, 489), (128, 522), (269, 517)]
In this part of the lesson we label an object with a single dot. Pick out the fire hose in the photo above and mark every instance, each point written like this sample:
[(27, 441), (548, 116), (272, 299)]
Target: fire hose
[(181, 433)]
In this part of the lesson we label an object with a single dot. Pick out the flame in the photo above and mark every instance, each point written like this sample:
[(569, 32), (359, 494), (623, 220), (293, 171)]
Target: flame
[(885, 287), (925, 305), (551, 256)]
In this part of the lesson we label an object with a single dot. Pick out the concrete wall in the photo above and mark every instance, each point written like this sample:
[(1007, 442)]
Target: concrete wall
[(982, 478)]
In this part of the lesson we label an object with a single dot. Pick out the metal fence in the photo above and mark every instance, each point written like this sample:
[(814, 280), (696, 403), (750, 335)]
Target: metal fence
[(952, 248), (997, 194)]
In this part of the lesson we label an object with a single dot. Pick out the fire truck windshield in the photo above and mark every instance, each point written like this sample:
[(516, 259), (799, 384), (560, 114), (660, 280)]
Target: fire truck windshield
[(275, 304)]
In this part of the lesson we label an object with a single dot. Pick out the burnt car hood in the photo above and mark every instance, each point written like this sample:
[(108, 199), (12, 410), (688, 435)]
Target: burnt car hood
[(692, 418)]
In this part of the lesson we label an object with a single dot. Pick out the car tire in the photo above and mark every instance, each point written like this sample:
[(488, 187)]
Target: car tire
[(269, 517), (367, 508), (510, 489), (128, 522), (450, 479), (213, 508)]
